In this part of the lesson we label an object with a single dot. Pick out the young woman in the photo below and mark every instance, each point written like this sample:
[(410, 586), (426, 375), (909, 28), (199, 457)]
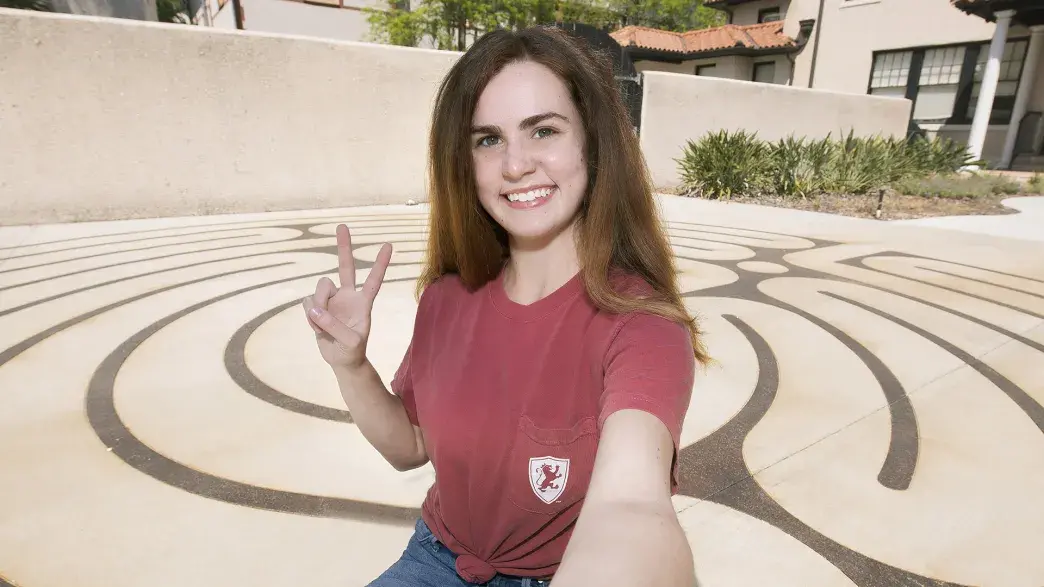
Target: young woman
[(552, 359)]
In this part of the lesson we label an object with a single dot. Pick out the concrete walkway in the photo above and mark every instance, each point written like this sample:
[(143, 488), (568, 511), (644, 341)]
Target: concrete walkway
[(1028, 224), (875, 417)]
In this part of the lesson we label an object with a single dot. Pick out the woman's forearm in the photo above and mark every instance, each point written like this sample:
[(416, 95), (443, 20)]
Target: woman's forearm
[(381, 417), (627, 544)]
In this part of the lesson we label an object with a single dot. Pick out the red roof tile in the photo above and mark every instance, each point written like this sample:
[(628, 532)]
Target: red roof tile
[(754, 36)]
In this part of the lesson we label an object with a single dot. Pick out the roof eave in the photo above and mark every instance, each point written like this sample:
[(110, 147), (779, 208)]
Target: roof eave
[(1028, 12), (717, 3), (641, 53), (725, 5)]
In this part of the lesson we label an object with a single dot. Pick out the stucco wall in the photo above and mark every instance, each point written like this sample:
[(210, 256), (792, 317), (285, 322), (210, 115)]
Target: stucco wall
[(108, 118), (136, 9), (679, 107), (851, 30), (744, 14), (731, 67), (298, 18)]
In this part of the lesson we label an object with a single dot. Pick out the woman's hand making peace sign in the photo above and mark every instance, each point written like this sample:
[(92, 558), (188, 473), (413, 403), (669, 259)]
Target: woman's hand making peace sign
[(340, 316)]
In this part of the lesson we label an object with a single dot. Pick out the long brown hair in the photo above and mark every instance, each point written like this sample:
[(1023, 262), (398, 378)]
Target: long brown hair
[(618, 229)]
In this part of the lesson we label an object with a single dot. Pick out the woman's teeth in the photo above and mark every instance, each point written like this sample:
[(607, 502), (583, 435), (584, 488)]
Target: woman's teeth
[(530, 195)]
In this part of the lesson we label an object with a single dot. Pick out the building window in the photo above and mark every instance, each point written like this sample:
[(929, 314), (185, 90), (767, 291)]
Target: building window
[(706, 70), (891, 73), (770, 14), (1008, 84), (944, 82), (938, 84), (765, 72)]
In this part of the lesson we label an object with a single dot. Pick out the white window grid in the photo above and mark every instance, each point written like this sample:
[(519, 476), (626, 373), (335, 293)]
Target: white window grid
[(942, 66), (891, 70)]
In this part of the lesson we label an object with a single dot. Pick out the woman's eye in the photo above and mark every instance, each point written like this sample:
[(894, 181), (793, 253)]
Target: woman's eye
[(542, 133), (487, 141)]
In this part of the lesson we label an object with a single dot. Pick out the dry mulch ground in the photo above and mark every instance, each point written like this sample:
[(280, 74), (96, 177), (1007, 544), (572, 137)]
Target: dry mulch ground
[(894, 207)]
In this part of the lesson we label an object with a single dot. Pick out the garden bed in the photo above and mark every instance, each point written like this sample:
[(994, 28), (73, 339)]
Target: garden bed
[(895, 206), (915, 178)]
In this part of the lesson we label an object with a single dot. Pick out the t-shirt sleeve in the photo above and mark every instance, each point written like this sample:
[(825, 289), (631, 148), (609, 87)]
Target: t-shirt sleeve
[(650, 366), (402, 385)]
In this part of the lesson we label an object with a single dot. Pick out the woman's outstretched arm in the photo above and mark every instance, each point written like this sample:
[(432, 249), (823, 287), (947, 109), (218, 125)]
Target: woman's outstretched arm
[(628, 532)]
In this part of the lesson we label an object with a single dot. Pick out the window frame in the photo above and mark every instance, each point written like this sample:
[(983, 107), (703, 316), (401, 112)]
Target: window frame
[(754, 71), (699, 67), (965, 82), (777, 10)]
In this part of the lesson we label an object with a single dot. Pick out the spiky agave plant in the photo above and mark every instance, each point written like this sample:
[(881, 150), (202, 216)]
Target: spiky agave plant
[(38, 5)]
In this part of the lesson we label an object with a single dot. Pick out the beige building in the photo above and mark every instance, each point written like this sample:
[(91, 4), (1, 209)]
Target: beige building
[(936, 53), (342, 20)]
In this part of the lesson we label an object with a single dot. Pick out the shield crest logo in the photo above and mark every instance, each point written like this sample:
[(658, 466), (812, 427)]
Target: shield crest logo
[(548, 477)]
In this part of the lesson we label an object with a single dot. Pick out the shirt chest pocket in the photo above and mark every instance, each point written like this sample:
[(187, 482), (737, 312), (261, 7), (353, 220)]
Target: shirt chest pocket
[(550, 468)]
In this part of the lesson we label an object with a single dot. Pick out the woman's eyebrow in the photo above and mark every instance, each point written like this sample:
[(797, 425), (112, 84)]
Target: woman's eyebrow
[(529, 122), (538, 118)]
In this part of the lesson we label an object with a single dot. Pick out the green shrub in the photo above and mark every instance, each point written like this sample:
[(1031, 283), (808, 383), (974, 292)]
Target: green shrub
[(722, 164), (796, 167), (862, 164), (958, 186), (1036, 184), (938, 156)]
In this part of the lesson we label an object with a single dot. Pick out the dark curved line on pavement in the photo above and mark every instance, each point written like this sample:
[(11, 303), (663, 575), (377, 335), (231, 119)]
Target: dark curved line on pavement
[(317, 248), (134, 240), (292, 223), (708, 235), (1033, 410), (972, 279), (713, 469), (899, 464), (994, 327), (147, 259), (239, 370), (701, 226), (984, 282), (861, 265), (105, 420), (947, 261), (726, 443), (13, 351), (128, 278), (134, 250)]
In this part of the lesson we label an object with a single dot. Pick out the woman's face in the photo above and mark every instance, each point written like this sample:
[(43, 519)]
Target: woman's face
[(528, 151)]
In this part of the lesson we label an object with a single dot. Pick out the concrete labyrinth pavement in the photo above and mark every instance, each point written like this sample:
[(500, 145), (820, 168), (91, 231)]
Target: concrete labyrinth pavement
[(875, 415)]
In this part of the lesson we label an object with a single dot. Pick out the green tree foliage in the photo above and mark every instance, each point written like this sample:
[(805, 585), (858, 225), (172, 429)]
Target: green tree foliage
[(38, 5), (171, 11), (451, 24), (669, 15)]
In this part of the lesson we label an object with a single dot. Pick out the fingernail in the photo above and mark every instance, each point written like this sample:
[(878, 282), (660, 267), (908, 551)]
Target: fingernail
[(316, 312)]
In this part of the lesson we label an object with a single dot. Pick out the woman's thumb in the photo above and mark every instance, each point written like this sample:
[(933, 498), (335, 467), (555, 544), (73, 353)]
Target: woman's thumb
[(333, 326)]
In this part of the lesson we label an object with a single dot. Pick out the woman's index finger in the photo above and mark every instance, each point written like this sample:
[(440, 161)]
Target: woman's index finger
[(345, 257), (376, 276)]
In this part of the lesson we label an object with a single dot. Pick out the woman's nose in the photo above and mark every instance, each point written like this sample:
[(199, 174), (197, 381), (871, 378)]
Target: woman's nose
[(518, 161)]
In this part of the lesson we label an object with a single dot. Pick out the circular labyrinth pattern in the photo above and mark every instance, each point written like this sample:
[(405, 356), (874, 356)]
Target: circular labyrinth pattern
[(872, 418)]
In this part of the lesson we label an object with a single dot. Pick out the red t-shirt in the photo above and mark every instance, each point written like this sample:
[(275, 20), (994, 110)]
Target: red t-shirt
[(511, 399)]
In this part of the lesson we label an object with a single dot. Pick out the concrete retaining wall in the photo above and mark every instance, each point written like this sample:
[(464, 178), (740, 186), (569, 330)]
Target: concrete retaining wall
[(678, 107), (106, 118), (110, 118)]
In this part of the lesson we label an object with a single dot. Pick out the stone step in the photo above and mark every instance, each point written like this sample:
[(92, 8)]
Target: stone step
[(1028, 162)]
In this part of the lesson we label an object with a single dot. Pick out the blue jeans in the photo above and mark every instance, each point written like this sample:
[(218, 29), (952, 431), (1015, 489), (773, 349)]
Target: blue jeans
[(427, 563)]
